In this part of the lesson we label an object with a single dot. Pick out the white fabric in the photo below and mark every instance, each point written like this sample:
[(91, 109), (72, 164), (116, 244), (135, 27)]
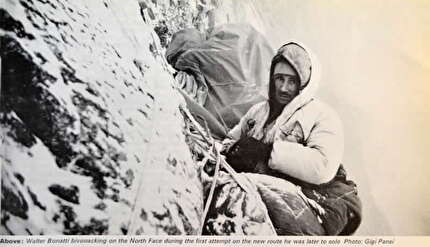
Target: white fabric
[(317, 157)]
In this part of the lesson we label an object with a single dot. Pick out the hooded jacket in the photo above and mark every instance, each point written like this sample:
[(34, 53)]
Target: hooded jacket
[(316, 157), (308, 143)]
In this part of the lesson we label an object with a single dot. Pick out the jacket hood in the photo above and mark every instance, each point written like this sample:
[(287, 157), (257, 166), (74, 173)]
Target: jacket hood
[(304, 63), (307, 67), (298, 58)]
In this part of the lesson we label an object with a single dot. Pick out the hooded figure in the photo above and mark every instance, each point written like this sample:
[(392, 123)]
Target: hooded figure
[(300, 139)]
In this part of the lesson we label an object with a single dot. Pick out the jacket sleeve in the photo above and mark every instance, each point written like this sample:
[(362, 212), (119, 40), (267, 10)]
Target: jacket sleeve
[(317, 161)]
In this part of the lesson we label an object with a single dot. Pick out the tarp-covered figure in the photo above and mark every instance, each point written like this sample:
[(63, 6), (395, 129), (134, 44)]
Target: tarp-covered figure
[(225, 73)]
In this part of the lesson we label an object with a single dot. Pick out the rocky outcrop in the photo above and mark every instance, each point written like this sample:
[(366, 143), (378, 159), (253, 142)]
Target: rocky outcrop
[(92, 140), (92, 137)]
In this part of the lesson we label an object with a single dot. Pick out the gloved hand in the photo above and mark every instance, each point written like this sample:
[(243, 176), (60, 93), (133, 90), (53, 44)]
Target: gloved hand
[(246, 153)]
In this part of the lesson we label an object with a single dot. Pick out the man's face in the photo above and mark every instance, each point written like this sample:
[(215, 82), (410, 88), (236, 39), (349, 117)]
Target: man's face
[(286, 83)]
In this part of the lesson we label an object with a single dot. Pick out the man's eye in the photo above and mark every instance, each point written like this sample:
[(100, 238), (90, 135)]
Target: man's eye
[(279, 78)]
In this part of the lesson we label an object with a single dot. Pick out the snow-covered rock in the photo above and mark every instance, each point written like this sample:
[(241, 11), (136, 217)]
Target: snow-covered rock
[(92, 138)]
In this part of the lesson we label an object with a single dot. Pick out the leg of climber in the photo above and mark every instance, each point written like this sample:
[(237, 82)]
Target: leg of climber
[(290, 213)]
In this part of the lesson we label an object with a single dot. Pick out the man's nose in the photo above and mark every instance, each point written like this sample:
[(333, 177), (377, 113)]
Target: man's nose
[(284, 87)]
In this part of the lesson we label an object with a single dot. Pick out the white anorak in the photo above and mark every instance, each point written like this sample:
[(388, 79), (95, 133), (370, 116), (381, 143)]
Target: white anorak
[(316, 157)]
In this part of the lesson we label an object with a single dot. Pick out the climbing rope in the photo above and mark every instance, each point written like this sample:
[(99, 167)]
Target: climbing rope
[(213, 153), (211, 191)]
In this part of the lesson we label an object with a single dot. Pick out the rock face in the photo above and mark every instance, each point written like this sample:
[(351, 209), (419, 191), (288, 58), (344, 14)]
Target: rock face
[(92, 140), (92, 137)]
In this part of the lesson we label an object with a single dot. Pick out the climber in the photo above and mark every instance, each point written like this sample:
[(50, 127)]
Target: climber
[(297, 138)]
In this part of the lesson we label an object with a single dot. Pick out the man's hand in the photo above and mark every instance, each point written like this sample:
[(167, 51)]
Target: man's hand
[(246, 153)]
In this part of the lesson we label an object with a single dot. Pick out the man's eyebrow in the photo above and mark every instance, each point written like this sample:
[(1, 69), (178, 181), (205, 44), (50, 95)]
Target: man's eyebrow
[(291, 75)]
